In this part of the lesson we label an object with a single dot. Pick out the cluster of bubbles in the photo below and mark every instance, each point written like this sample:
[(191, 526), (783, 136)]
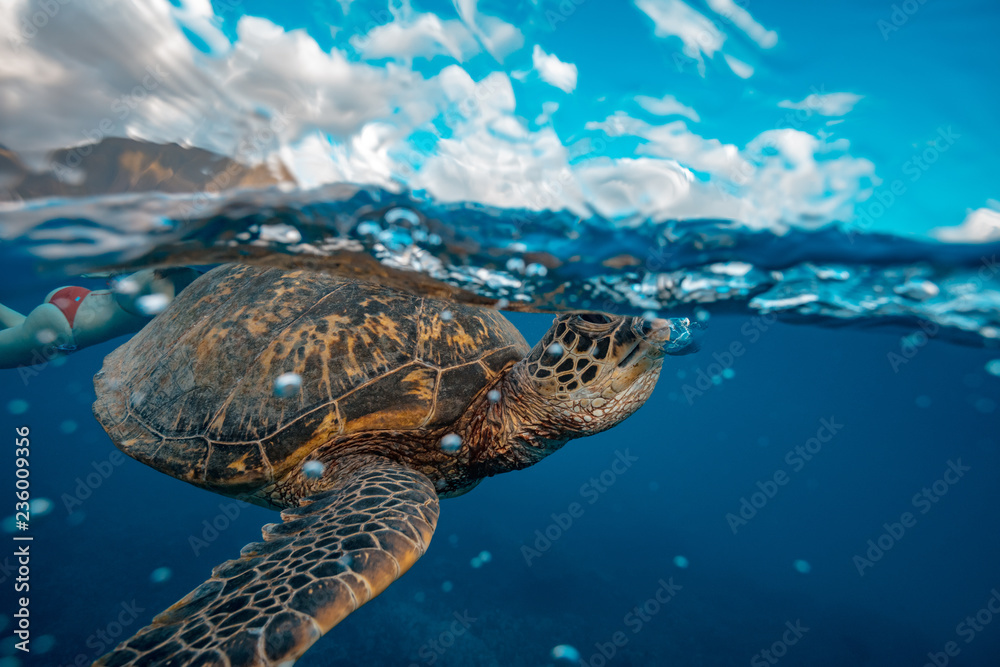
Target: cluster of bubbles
[(532, 270), (287, 385), (39, 645), (480, 560), (37, 508)]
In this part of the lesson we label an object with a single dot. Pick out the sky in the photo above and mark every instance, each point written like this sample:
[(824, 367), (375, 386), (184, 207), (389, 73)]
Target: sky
[(773, 114)]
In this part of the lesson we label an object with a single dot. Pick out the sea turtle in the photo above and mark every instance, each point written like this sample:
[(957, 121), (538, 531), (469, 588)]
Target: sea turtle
[(400, 401)]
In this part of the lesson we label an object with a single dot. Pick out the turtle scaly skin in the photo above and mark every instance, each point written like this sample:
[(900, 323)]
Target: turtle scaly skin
[(385, 377)]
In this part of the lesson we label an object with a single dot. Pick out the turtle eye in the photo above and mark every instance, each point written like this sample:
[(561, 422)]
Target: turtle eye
[(595, 318)]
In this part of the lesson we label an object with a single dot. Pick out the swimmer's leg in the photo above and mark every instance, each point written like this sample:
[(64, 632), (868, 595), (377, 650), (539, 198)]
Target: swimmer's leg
[(9, 317)]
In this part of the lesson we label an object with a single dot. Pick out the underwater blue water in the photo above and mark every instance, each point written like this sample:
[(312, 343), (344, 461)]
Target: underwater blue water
[(695, 458), (809, 190)]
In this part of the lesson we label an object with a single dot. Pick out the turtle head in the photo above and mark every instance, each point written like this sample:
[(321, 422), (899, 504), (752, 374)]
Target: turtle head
[(593, 370)]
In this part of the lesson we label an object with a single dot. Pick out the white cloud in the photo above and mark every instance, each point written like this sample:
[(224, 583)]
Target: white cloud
[(491, 158), (702, 36), (548, 108), (740, 68), (825, 104), (675, 142), (673, 18), (666, 106), (742, 19), (130, 71), (497, 37), (980, 226), (331, 119), (422, 36), (199, 17), (554, 71), (780, 177)]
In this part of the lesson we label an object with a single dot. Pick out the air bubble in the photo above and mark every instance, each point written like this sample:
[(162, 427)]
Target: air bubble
[(501, 304), (993, 367), (43, 644), (535, 269), (485, 556), (451, 443), (368, 228), (985, 405), (566, 653), (68, 426), (152, 304), (681, 562), (40, 507), (447, 316), (17, 407), (728, 373), (280, 233), (126, 286), (395, 214), (46, 336), (493, 396), (313, 469), (555, 349), (650, 315), (802, 566), (287, 384), (515, 265), (447, 587), (160, 575), (923, 401)]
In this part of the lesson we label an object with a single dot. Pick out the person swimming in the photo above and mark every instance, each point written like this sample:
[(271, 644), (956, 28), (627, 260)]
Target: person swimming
[(71, 318)]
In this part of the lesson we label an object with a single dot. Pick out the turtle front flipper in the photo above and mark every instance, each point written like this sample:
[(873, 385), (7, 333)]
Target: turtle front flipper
[(335, 553)]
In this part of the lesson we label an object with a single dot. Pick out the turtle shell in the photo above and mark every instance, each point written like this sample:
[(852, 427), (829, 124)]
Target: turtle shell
[(194, 393)]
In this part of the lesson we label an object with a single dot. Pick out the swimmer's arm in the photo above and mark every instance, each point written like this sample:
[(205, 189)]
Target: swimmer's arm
[(46, 334), (9, 317), (36, 339)]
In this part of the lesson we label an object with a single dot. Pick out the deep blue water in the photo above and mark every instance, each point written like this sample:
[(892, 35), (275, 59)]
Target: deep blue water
[(694, 461)]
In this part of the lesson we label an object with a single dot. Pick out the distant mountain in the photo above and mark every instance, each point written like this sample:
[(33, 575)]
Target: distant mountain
[(117, 165)]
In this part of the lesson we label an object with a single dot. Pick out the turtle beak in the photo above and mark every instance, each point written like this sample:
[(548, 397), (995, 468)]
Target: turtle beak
[(655, 332)]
